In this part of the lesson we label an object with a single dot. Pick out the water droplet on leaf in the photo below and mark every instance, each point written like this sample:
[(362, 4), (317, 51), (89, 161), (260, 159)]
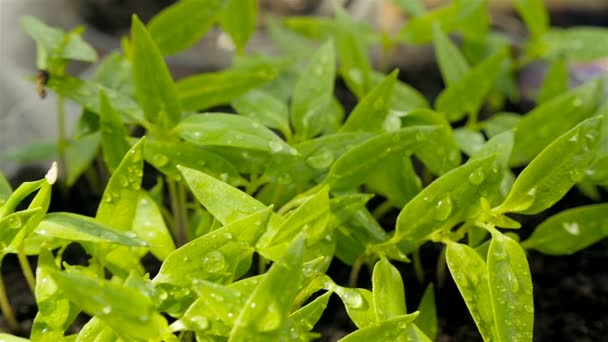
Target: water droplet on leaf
[(443, 208), (320, 160), (572, 228), (477, 176), (214, 262)]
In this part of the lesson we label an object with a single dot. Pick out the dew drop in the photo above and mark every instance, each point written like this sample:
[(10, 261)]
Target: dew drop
[(106, 309), (577, 102), (352, 298), (228, 236), (528, 308), (271, 318), (14, 222), (214, 262), (513, 283), (275, 146), (284, 178), (320, 160), (130, 234), (499, 252), (443, 208), (199, 322), (576, 175), (159, 160), (477, 176), (571, 228)]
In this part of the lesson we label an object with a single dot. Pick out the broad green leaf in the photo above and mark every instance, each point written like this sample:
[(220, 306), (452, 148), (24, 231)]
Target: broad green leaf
[(348, 171), (500, 122), (239, 19), (86, 94), (396, 180), (535, 15), (215, 255), (55, 312), (405, 97), (206, 90), (389, 293), (578, 44), (452, 64), (383, 331), (264, 108), (79, 155), (510, 286), (469, 141), (96, 330), (267, 309), (450, 199), (149, 225), (129, 312), (181, 25), (556, 81), (570, 231), (12, 338), (306, 317), (115, 73), (218, 129), (427, 319), (369, 114), (82, 228), (471, 276), (459, 98), (555, 170), (355, 66), (313, 92), (165, 156), (542, 125), (359, 304), (119, 201), (114, 134), (155, 89)]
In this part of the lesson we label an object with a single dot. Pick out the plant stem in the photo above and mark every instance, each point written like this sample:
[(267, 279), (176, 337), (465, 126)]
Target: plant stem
[(354, 272), (178, 208), (418, 269), (26, 269), (441, 267), (9, 315), (61, 136)]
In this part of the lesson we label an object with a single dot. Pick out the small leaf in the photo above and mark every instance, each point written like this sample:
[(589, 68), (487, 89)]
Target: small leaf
[(206, 90), (457, 99), (405, 97), (555, 82), (570, 231), (113, 134), (359, 304), (471, 276), (24, 190), (96, 330), (396, 180), (82, 228), (154, 87), (449, 199), (127, 311), (182, 24), (579, 44), (267, 309), (149, 225), (79, 155), (264, 108), (384, 331), (500, 122), (371, 112), (534, 13), (511, 289), (389, 293), (217, 129), (313, 92), (427, 319), (452, 64), (555, 170), (239, 19), (541, 126), (306, 317), (468, 140)]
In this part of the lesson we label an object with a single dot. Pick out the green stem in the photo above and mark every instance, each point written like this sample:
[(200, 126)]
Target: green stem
[(354, 272), (441, 267), (26, 268), (418, 269), (177, 207), (9, 315), (61, 136), (382, 209)]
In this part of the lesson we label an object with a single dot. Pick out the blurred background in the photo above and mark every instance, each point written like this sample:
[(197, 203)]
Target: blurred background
[(25, 118)]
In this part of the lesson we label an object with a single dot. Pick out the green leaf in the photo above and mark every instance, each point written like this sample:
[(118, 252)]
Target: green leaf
[(215, 255), (113, 134), (471, 276), (288, 41), (264, 108), (555, 170), (389, 293), (383, 331), (79, 155), (411, 7), (239, 19), (469, 141), (458, 98), (149, 225), (450, 199), (5, 189), (96, 330), (41, 203), (396, 180), (359, 304), (511, 289), (427, 319), (541, 126), (555, 82), (129, 312), (452, 64), (184, 23), (218, 129), (265, 313), (405, 97), (580, 44), (24, 190), (82, 228), (55, 312), (306, 317), (570, 231), (154, 87), (11, 225), (206, 90), (313, 92), (370, 114), (12, 338), (348, 171), (535, 15), (500, 122), (115, 72)]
